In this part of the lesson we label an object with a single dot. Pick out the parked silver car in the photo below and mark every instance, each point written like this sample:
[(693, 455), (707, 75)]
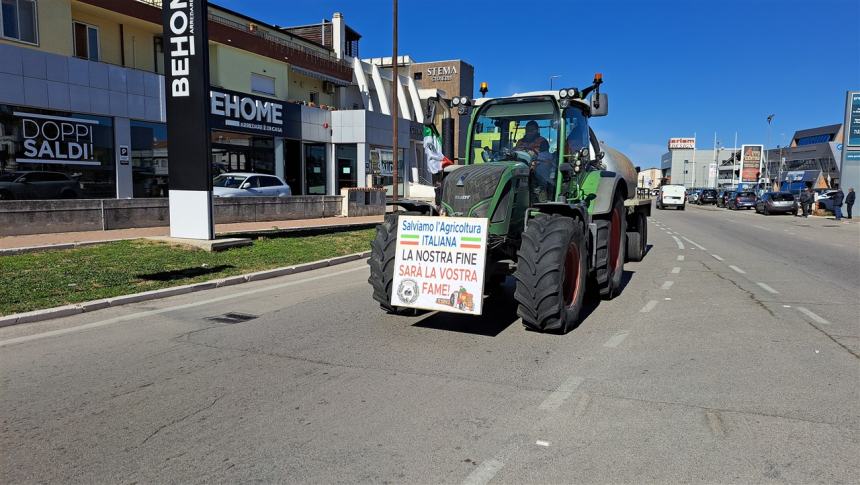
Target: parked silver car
[(237, 184)]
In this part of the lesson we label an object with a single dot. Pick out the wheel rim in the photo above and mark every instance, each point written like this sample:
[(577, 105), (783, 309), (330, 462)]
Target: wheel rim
[(615, 240), (571, 276)]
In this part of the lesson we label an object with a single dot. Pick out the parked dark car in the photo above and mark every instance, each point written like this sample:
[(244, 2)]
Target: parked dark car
[(825, 199), (741, 200), (38, 185), (707, 196), (776, 203), (723, 198)]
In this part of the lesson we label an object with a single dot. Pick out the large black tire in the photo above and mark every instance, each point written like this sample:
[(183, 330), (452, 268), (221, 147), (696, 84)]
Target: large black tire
[(637, 238), (381, 263), (609, 249), (551, 273)]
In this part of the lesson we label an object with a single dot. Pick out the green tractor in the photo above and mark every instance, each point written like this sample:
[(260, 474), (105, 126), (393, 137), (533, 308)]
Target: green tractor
[(561, 206)]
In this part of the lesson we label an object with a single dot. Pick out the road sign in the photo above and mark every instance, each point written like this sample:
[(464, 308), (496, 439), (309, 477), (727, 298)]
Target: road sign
[(439, 263)]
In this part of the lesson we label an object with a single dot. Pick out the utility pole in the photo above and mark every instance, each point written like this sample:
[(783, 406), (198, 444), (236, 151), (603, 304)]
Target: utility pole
[(394, 108), (766, 157), (734, 152)]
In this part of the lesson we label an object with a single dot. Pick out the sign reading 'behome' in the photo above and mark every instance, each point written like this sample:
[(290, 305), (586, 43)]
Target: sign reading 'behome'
[(439, 263), (239, 111), (187, 93)]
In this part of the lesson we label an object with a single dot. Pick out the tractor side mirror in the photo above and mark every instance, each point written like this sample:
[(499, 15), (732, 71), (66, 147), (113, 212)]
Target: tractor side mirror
[(599, 104), (638, 169)]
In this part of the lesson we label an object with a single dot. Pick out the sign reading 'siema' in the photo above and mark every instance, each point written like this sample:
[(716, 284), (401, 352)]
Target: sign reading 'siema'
[(187, 94)]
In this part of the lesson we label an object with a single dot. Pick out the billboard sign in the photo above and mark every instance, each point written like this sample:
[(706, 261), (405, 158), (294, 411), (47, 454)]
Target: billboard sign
[(439, 263), (751, 163), (854, 120), (682, 143), (186, 87), (57, 139)]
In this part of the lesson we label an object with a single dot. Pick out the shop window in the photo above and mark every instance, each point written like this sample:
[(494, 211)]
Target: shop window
[(315, 97), (149, 159), (71, 155), (18, 18), (315, 169), (240, 152), (86, 41), (418, 76), (262, 84)]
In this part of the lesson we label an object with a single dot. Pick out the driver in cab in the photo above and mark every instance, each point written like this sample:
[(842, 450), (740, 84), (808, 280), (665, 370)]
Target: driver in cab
[(532, 141)]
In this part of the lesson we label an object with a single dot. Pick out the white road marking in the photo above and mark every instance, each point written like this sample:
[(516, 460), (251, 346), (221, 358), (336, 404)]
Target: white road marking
[(615, 340), (694, 243), (648, 306), (484, 473), (767, 288), (680, 257), (812, 315), (149, 313), (667, 299), (562, 392), (542, 443), (718, 257), (676, 269), (786, 306), (737, 269), (678, 242), (761, 227), (667, 285), (715, 423)]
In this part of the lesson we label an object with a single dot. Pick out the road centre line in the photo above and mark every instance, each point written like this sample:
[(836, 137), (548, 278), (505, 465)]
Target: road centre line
[(678, 242), (561, 393), (676, 270), (667, 285), (767, 288), (680, 257), (615, 340), (718, 257), (694, 243), (149, 313), (484, 473), (812, 315), (737, 269), (648, 306)]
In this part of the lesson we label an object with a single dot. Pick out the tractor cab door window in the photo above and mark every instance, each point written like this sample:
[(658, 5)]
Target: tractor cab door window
[(576, 132)]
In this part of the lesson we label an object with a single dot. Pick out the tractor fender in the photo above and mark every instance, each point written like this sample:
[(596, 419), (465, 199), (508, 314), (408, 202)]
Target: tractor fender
[(579, 211), (424, 208), (610, 183)]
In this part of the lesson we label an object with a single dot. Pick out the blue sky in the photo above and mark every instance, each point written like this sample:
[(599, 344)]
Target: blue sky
[(671, 67)]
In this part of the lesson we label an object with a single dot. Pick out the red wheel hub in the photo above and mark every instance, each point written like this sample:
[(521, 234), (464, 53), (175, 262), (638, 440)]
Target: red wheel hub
[(571, 276), (614, 240)]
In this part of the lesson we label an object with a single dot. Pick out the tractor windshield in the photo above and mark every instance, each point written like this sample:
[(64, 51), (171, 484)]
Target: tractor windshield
[(522, 131)]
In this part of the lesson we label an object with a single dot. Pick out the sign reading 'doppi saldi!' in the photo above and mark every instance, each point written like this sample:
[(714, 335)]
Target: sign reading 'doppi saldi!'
[(57, 139), (439, 263)]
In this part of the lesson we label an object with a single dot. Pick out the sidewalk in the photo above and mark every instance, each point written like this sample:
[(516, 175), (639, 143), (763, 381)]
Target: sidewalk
[(71, 238)]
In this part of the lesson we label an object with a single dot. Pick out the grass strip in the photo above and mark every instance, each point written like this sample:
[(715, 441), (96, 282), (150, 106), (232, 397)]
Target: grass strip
[(47, 279)]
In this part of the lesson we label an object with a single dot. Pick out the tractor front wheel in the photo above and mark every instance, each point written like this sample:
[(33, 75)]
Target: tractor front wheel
[(381, 263), (550, 275)]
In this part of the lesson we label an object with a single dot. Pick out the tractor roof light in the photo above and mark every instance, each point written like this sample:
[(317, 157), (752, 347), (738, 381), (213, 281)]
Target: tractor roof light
[(598, 77), (562, 93), (455, 101), (564, 103), (464, 100)]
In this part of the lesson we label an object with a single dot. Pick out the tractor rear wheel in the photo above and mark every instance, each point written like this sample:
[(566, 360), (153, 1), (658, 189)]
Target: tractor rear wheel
[(381, 263), (550, 275), (637, 237), (609, 248)]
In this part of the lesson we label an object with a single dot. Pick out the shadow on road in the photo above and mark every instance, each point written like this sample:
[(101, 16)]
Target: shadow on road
[(179, 274), (500, 311)]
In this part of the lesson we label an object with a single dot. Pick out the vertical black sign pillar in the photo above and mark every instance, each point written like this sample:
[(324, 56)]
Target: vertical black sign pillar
[(186, 88)]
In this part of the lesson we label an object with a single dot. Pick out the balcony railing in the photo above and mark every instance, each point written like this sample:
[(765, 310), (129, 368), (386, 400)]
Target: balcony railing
[(320, 52)]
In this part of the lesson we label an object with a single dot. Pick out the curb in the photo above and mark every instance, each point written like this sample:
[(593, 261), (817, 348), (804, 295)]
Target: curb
[(253, 232), (89, 306)]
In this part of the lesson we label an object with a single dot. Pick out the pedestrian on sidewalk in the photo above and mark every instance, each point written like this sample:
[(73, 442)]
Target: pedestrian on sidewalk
[(838, 199), (849, 200), (806, 201)]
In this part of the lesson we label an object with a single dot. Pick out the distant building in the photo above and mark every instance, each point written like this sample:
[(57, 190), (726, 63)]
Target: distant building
[(650, 178), (810, 149)]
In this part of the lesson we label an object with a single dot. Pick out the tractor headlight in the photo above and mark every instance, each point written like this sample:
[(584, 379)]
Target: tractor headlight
[(562, 93), (455, 101)]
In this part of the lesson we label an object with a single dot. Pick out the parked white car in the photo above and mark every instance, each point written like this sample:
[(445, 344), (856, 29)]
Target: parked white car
[(238, 184)]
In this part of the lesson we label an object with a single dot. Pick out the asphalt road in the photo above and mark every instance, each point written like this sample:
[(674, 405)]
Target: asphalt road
[(731, 356)]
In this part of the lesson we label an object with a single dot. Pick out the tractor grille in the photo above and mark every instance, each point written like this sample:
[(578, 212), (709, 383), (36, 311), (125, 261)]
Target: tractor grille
[(469, 185)]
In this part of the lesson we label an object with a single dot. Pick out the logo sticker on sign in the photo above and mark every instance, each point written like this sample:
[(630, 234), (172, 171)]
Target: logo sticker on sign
[(439, 263)]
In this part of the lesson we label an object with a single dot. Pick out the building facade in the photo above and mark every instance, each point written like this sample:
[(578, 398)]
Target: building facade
[(686, 165), (82, 95)]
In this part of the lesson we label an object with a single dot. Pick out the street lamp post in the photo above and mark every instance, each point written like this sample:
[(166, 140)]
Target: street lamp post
[(554, 76)]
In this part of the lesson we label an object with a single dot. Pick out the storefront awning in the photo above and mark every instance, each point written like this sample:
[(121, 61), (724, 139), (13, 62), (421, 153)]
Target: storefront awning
[(320, 76)]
